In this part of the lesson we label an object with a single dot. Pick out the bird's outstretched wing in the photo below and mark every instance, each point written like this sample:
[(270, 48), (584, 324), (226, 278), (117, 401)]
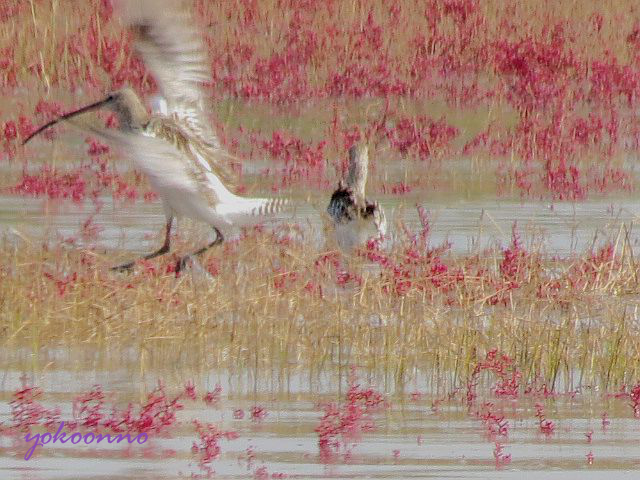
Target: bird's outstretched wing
[(171, 47), (170, 158), (170, 44), (160, 160)]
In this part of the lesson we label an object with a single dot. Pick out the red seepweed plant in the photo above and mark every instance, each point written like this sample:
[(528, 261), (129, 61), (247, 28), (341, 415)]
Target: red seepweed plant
[(501, 458), (570, 96), (342, 425), (27, 412), (207, 448), (545, 425), (503, 367), (157, 416)]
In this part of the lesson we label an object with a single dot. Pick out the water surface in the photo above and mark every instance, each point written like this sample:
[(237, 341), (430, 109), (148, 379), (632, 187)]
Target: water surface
[(559, 228), (449, 443)]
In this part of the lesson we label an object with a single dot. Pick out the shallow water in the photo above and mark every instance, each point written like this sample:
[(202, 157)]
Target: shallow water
[(560, 228), (448, 443)]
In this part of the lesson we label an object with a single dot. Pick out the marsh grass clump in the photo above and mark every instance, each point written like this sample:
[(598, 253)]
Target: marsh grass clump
[(272, 303)]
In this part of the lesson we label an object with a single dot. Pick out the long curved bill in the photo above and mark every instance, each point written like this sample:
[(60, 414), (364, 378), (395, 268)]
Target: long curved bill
[(69, 115)]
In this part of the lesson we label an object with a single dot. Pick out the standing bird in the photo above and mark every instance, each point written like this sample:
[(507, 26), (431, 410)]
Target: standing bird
[(175, 146), (356, 219)]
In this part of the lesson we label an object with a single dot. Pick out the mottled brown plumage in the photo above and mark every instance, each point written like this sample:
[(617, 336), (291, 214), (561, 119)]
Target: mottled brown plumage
[(355, 218)]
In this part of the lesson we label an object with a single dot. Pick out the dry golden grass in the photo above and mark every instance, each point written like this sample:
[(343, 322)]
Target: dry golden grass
[(259, 312), (50, 36)]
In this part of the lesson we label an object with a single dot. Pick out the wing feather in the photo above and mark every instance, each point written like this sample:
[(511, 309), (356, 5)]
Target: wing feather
[(207, 159), (171, 47), (158, 159), (169, 158)]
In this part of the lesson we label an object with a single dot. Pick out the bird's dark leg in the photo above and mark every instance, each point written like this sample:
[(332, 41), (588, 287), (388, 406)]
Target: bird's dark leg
[(183, 261), (161, 251)]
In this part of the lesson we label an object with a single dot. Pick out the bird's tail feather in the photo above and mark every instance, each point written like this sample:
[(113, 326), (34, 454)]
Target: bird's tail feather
[(270, 206)]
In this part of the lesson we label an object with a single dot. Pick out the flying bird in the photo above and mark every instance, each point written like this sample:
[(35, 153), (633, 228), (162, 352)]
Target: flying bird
[(356, 219), (175, 146)]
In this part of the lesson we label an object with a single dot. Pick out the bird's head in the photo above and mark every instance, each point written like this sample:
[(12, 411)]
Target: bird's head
[(130, 110)]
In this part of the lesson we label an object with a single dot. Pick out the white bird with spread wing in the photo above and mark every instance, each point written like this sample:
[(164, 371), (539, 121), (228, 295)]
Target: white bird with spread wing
[(177, 150)]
